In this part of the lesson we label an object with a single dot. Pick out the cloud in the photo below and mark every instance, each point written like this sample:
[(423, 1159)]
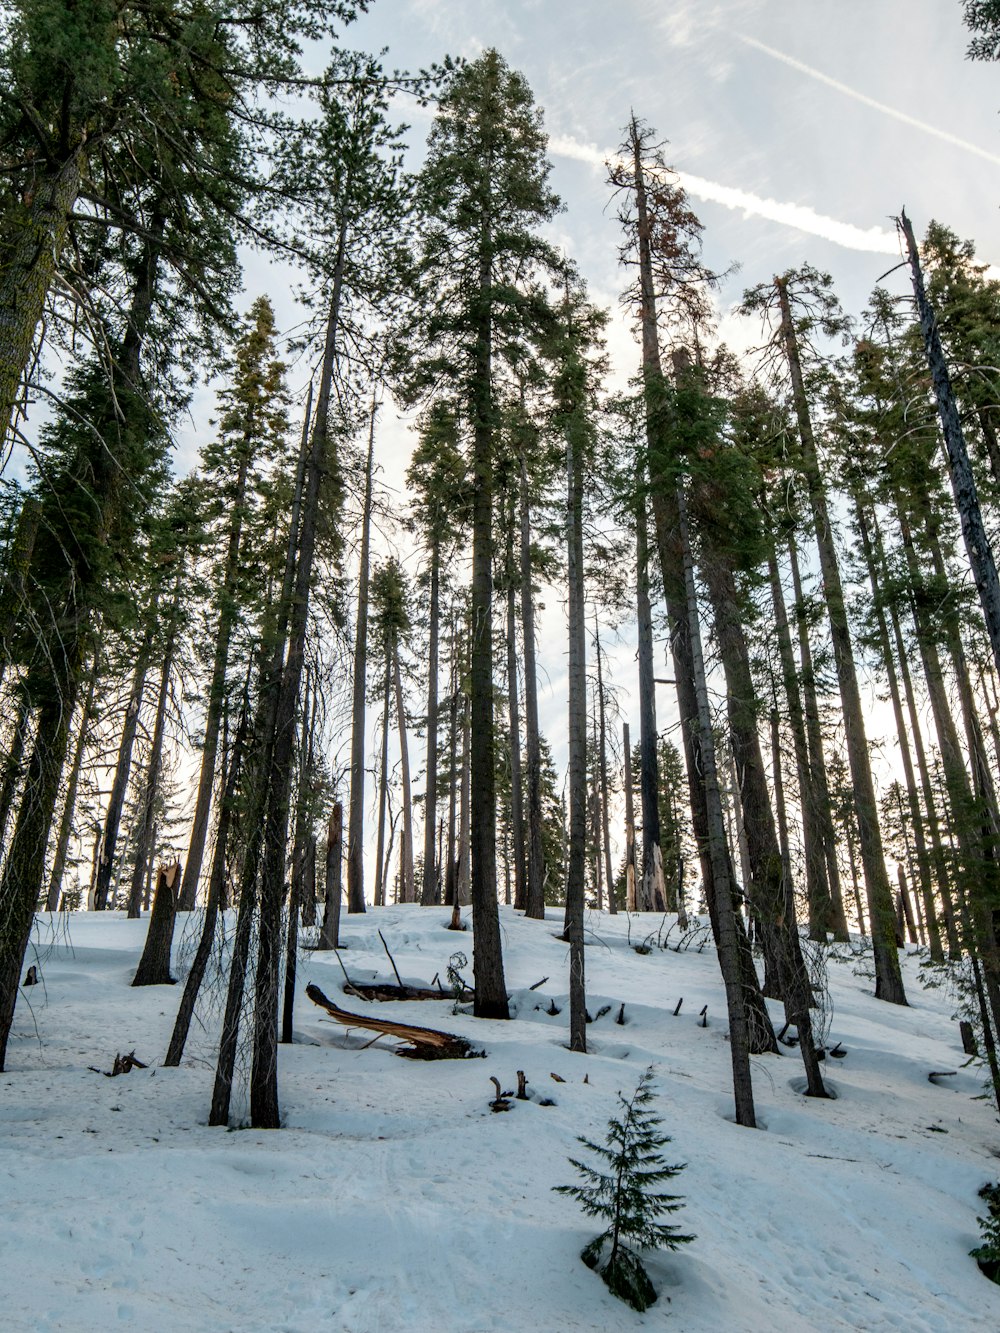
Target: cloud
[(873, 240), (865, 100)]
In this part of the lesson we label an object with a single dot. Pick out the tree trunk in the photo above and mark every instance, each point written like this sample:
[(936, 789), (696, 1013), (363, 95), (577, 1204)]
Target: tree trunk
[(769, 890), (430, 892), (329, 937), (651, 894), (25, 863), (977, 543), (32, 247), (144, 839), (577, 740), (923, 858), (817, 885), (630, 879), (603, 762), (116, 801), (888, 977), (827, 915), (721, 878), (514, 718), (356, 805), (213, 904), (217, 688), (69, 804), (13, 761), (264, 1110), (535, 886), (408, 892), (154, 965)]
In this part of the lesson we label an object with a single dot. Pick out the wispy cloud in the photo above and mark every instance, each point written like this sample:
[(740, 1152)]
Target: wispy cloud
[(865, 100), (874, 240)]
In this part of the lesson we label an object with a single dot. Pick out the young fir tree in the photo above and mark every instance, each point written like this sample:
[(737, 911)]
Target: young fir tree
[(625, 1196)]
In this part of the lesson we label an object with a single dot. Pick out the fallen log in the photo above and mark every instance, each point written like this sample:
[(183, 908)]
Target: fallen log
[(422, 1043), (385, 991)]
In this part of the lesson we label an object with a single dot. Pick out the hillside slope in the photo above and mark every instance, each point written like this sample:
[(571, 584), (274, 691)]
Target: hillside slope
[(395, 1200)]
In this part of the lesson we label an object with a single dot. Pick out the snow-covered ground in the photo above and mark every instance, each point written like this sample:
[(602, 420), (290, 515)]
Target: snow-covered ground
[(394, 1199)]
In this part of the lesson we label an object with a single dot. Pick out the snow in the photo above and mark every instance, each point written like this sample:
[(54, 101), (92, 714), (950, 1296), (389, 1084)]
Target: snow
[(394, 1199)]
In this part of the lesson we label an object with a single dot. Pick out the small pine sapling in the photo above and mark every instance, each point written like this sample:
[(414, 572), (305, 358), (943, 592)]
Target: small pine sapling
[(625, 1197), (987, 1255)]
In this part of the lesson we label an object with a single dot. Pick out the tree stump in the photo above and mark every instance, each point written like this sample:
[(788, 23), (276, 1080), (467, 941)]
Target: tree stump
[(154, 965)]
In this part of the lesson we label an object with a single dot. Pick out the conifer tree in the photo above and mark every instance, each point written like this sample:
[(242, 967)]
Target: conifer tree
[(484, 192), (624, 1196)]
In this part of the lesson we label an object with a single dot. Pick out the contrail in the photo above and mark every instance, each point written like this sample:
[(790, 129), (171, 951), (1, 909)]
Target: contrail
[(874, 240), (868, 101)]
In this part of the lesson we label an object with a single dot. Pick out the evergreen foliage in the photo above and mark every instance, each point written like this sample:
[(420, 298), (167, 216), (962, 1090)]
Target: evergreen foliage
[(625, 1196), (987, 1255)]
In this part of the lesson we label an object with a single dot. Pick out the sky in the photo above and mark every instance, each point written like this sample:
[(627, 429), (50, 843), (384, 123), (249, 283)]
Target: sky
[(799, 131)]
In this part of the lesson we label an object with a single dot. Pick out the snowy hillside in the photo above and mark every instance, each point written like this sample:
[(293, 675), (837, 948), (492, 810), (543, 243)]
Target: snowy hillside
[(395, 1200)]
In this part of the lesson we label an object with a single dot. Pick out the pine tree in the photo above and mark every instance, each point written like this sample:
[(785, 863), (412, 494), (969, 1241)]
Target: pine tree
[(624, 1195), (484, 191)]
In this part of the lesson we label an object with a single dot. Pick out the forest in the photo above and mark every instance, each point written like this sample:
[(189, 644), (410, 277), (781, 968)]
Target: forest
[(298, 684)]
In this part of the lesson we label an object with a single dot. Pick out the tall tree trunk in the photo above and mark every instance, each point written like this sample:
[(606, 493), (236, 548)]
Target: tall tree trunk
[(214, 901), (814, 841), (535, 885), (329, 936), (32, 245), (264, 1110), (69, 804), (602, 747), (25, 864), (217, 686), (577, 740), (721, 877), (272, 650), (430, 892), (631, 904), (514, 718), (356, 805), (490, 987), (938, 853), (977, 542), (147, 808), (769, 890), (829, 913), (383, 785), (408, 893), (923, 858), (888, 977), (464, 835), (14, 759), (119, 786), (451, 874), (651, 894)]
